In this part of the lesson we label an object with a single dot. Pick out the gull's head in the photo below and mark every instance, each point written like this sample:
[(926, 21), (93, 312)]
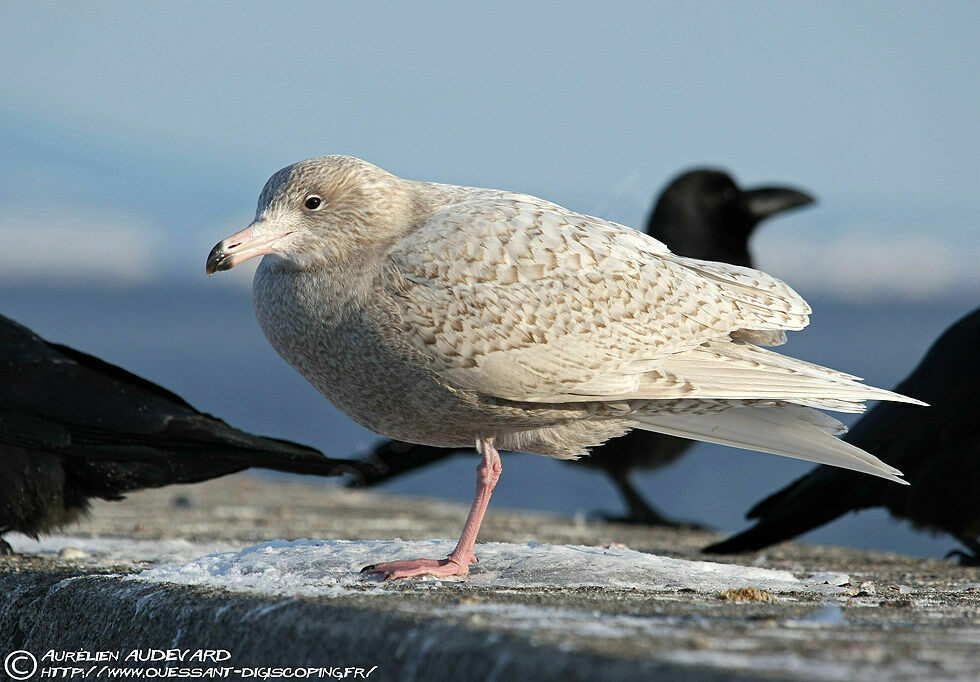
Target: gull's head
[(326, 207)]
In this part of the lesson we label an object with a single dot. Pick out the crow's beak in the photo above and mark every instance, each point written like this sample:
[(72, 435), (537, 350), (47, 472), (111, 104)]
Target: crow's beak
[(254, 240), (763, 202)]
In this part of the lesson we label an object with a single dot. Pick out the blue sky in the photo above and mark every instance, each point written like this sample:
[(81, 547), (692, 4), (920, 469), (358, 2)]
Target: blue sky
[(141, 133)]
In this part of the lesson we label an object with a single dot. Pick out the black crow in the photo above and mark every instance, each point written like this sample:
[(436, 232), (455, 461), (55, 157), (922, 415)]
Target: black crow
[(73, 428), (703, 214), (938, 449)]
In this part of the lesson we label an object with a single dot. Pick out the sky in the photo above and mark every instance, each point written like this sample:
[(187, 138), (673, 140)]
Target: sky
[(133, 136)]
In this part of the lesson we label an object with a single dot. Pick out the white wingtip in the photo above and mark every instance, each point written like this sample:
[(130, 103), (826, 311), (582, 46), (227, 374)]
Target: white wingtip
[(784, 429)]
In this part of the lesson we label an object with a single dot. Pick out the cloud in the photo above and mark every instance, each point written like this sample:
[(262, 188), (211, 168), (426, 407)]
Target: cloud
[(868, 262), (90, 246), (850, 260)]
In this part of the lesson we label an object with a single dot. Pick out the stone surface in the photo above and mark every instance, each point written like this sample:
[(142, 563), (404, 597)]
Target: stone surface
[(921, 620)]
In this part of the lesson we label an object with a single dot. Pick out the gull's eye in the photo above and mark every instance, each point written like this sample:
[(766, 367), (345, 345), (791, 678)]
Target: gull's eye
[(313, 202)]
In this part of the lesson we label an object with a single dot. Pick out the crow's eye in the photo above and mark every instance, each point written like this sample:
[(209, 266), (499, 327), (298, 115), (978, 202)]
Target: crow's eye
[(313, 202)]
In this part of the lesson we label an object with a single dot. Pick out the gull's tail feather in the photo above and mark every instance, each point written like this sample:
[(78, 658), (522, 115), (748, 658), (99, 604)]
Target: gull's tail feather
[(779, 428)]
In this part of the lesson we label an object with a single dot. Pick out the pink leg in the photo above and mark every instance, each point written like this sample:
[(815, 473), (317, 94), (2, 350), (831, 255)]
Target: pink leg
[(458, 562)]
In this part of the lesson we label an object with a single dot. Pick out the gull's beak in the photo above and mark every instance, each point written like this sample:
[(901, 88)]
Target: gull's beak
[(251, 242), (763, 202)]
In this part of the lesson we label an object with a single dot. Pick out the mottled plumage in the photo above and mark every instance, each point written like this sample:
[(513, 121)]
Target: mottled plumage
[(701, 213), (445, 315)]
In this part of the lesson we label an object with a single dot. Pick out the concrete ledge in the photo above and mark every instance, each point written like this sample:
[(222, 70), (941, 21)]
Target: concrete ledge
[(63, 612), (897, 617)]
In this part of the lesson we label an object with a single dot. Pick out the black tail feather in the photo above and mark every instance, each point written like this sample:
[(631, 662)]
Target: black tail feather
[(809, 502), (393, 458)]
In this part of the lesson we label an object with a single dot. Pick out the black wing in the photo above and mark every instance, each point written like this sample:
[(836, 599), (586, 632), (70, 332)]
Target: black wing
[(936, 447)]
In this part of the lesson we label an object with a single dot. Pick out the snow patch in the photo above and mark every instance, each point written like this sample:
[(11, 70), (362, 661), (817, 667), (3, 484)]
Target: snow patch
[(331, 568), (832, 578), (108, 550)]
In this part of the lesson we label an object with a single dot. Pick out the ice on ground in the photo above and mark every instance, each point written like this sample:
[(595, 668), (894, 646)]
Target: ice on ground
[(317, 568), (110, 550), (583, 623), (830, 614), (325, 568)]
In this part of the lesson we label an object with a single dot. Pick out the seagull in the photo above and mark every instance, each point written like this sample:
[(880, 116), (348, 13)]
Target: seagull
[(74, 428), (939, 449), (445, 315), (701, 213)]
